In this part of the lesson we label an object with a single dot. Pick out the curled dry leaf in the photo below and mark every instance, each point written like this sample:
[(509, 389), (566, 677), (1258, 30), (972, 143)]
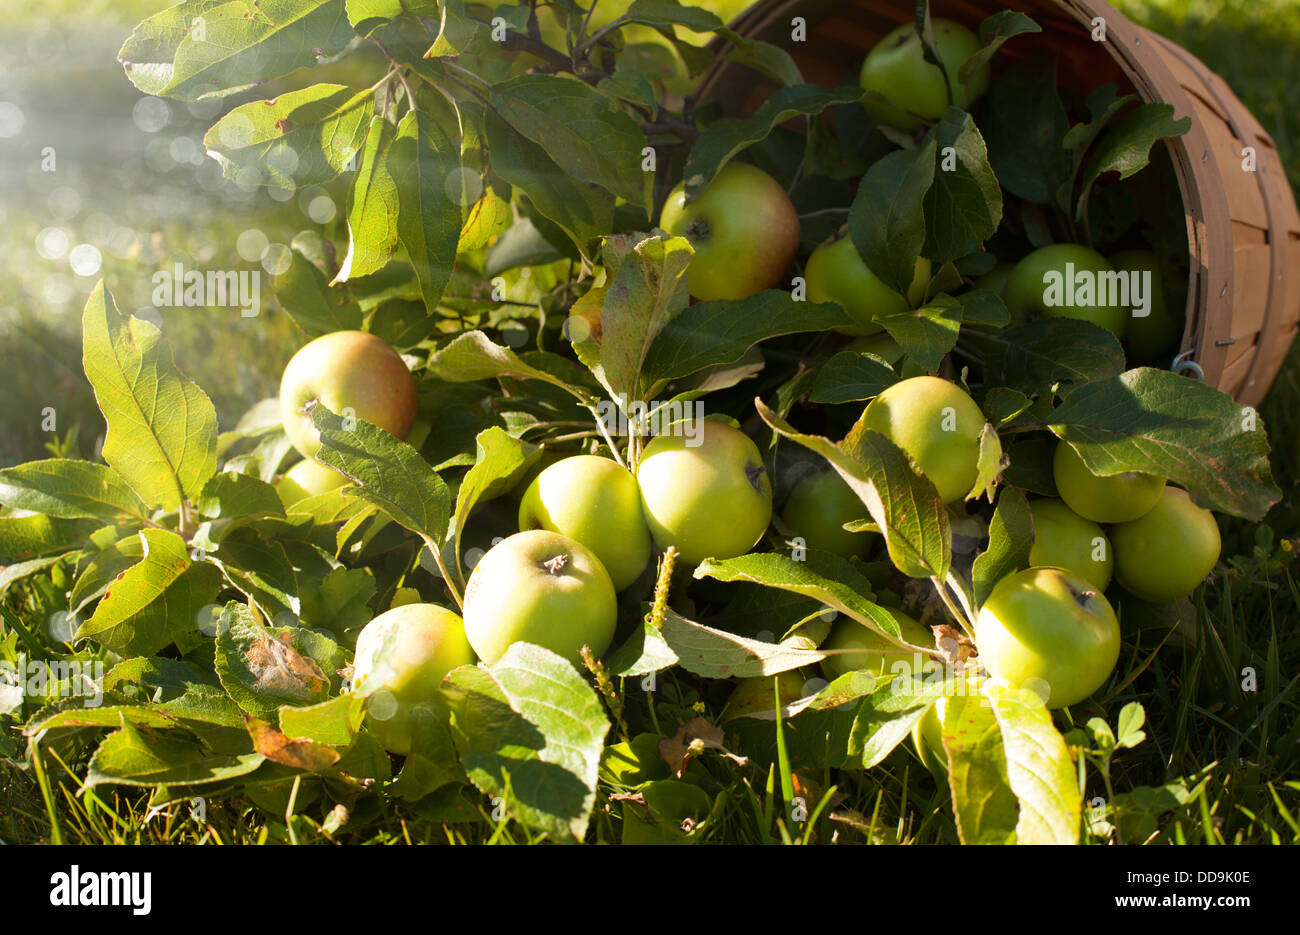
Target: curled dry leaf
[(953, 646), (692, 739), (298, 754)]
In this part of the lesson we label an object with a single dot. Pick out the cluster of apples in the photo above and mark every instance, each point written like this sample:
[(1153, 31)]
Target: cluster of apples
[(745, 230)]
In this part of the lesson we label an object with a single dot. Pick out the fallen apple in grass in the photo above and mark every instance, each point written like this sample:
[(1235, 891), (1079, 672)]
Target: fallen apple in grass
[(402, 656), (1165, 553)]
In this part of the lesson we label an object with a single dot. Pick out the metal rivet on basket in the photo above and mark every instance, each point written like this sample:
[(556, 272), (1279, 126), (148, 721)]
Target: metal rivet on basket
[(1223, 290), (1205, 156), (1184, 365), (1224, 342)]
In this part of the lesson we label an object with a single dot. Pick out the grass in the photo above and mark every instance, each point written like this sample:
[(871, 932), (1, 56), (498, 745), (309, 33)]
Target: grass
[(1219, 685)]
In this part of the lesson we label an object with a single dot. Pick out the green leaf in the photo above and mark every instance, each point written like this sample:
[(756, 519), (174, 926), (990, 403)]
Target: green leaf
[(19, 570), (669, 805), (372, 219), (824, 577), (964, 205), (885, 716), (301, 138), (70, 490), (202, 49), (887, 221), (989, 465), (366, 15), (339, 604), (230, 496), (718, 654), (724, 138), (583, 210), (173, 676), (391, 474), (520, 245), (77, 715), (130, 758), (1038, 355), (710, 333), (849, 377), (301, 290), (1011, 535), (928, 333), (500, 462), (154, 601), (423, 164), (672, 13), (904, 505), (431, 762), (645, 286), (764, 57), (994, 32), (530, 724), (1024, 123), (644, 652), (1164, 424), (162, 429), (263, 669), (27, 537), (1011, 775), (1131, 718), (334, 722), (589, 135), (472, 356), (1126, 146)]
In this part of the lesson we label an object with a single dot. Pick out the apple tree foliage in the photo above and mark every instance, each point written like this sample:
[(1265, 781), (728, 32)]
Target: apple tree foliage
[(504, 165)]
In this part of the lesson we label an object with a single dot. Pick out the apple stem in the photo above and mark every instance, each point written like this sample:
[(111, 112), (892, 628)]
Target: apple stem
[(556, 565)]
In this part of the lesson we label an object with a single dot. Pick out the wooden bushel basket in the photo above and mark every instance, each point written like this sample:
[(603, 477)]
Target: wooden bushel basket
[(1243, 229)]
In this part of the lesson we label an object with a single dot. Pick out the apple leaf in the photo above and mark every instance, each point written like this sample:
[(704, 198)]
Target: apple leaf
[(421, 161), (1011, 534), (302, 292), (719, 143), (1174, 427), (205, 49), (989, 465), (849, 377), (1011, 775), (472, 356), (372, 219), (928, 333), (114, 710), (718, 654), (1125, 147), (1064, 353), (583, 210), (644, 652), (530, 730), (263, 669), (591, 137), (334, 722), (886, 716), (710, 333), (903, 504), (304, 137), (162, 429), (994, 31), (645, 286), (229, 496), (129, 757), (887, 219), (766, 58), (964, 205), (154, 601), (28, 537), (500, 461), (70, 489), (982, 307), (825, 577), (672, 13), (1024, 122), (366, 15)]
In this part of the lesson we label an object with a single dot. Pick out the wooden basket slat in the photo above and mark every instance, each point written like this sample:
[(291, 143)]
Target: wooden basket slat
[(1243, 228)]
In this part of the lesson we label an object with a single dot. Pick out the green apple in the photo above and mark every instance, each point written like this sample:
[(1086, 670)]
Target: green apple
[(1050, 631), (1066, 281), (927, 738), (402, 656), (914, 89), (877, 656), (1155, 335), (756, 695), (743, 227), (543, 588), (1164, 554), (1113, 498), (1066, 540), (836, 273), (938, 425), (817, 510), (596, 502), (350, 373), (709, 496), (307, 478), (995, 280)]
